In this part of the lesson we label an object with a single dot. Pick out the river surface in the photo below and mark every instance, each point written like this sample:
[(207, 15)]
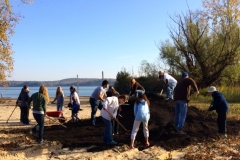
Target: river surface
[(13, 92)]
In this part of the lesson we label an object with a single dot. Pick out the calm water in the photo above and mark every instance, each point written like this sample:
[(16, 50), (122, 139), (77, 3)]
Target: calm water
[(13, 92)]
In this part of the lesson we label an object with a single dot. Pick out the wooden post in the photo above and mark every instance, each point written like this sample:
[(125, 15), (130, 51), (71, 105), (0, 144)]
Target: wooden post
[(102, 75)]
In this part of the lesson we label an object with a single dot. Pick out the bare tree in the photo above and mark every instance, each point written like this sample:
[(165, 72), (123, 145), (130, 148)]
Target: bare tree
[(202, 47)]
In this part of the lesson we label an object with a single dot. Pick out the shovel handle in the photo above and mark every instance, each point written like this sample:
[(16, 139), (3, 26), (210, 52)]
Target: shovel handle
[(115, 119)]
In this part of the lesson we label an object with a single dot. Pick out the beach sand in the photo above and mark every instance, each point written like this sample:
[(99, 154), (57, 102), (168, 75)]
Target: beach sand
[(16, 144)]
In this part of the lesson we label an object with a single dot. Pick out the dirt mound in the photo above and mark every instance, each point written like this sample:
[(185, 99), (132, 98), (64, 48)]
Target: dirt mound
[(198, 126)]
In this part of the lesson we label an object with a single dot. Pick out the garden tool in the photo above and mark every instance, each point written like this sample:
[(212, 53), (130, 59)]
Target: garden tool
[(12, 113), (115, 119)]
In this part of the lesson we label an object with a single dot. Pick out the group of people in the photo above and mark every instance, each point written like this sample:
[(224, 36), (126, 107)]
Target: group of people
[(179, 92), (109, 103)]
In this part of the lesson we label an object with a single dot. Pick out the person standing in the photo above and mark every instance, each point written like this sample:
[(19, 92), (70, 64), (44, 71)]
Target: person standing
[(60, 99), (40, 100), (74, 98), (108, 113), (22, 100), (142, 115), (96, 99), (169, 82), (181, 99), (219, 104), (136, 88)]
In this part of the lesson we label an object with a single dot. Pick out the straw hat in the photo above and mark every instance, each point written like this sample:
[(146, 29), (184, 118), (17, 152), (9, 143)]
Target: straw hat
[(211, 89)]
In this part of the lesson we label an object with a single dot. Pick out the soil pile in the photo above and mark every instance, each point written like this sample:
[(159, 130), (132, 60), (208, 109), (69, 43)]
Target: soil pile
[(199, 127)]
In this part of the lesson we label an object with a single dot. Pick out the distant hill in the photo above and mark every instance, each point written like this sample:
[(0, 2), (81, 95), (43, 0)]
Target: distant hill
[(63, 82)]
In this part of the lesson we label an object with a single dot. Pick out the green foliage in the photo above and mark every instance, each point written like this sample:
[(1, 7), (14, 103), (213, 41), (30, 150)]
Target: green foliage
[(122, 84), (202, 47)]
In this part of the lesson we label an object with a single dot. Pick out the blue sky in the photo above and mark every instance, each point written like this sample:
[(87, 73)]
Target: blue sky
[(60, 39)]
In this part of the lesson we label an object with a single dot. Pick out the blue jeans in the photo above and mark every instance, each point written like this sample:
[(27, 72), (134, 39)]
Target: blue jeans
[(40, 123), (60, 108), (170, 89), (137, 92), (107, 138), (180, 114), (94, 105)]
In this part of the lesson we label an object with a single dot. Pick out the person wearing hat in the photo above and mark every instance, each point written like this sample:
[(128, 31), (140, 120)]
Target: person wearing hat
[(96, 99), (170, 82), (219, 104), (181, 99)]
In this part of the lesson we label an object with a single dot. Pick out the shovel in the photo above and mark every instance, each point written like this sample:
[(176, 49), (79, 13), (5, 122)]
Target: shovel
[(12, 113), (115, 119)]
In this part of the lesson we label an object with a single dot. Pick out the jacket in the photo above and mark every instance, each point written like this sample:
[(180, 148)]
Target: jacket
[(135, 87), (39, 103), (141, 111), (23, 98), (219, 103)]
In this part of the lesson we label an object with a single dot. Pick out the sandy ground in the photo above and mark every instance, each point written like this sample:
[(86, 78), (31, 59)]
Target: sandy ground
[(16, 145)]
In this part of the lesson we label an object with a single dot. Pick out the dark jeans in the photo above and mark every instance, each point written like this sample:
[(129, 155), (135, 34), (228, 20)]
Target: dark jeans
[(94, 105), (21, 114), (221, 121), (107, 138), (25, 115), (40, 123), (115, 125)]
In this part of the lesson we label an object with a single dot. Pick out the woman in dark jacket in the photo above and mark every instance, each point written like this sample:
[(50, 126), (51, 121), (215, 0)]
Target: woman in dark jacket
[(220, 105), (22, 100), (136, 88)]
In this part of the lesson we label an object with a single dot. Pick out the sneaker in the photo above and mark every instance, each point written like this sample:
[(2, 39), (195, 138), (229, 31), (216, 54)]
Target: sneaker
[(166, 99), (40, 141), (112, 143), (222, 135)]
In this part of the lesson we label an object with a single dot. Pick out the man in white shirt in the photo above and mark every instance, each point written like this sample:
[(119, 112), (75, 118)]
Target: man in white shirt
[(169, 82), (98, 95)]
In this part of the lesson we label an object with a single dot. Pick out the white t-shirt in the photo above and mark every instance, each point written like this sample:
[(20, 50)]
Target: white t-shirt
[(99, 90), (111, 104), (169, 78), (77, 98)]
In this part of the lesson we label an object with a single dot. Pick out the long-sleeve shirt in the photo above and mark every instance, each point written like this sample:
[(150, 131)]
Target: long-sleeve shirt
[(182, 89), (141, 111), (135, 87), (110, 104), (60, 99), (39, 103), (219, 103), (23, 97)]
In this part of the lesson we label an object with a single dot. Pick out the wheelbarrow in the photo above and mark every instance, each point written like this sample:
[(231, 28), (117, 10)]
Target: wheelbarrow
[(51, 115)]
